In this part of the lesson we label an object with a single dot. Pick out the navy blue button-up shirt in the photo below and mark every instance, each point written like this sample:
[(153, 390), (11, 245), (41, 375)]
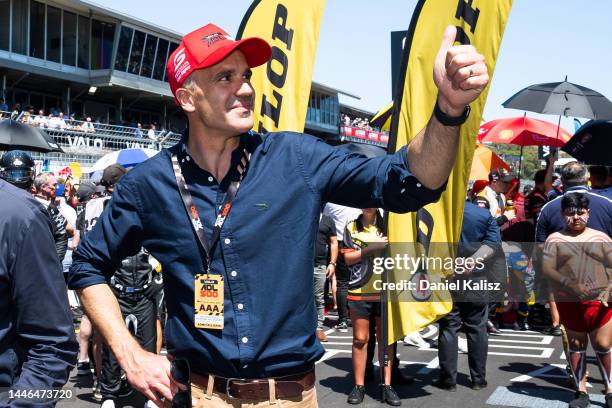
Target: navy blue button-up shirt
[(551, 220), (37, 342), (265, 251)]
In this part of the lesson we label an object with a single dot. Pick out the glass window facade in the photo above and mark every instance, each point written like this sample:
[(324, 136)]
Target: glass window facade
[(37, 29), (123, 49), (69, 39), (20, 27), (83, 40), (136, 54), (160, 59), (54, 34), (323, 109), (149, 56), (173, 46), (102, 36), (5, 20), (40, 30), (142, 54)]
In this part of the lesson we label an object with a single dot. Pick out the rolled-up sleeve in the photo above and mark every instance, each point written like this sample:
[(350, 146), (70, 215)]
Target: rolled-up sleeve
[(356, 181), (116, 235), (46, 340)]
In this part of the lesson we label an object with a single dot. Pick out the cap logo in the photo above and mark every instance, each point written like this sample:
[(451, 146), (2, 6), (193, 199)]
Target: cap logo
[(179, 57), (210, 39), (181, 65), (17, 162)]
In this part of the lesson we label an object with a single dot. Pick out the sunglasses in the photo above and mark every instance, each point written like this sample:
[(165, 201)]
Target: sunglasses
[(181, 373)]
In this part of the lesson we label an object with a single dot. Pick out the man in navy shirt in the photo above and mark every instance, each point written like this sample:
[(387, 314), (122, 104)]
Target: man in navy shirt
[(37, 341), (575, 178), (480, 241), (252, 314)]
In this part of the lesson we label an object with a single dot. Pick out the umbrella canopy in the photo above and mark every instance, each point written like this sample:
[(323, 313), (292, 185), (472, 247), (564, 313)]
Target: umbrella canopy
[(363, 149), (523, 131), (382, 119), (592, 143), (125, 157), (18, 136), (562, 98), (484, 161)]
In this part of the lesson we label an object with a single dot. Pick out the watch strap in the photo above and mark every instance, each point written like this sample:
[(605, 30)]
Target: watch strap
[(447, 120)]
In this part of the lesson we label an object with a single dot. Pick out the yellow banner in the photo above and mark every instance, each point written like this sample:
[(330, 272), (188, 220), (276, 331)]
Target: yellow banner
[(282, 86), (480, 23)]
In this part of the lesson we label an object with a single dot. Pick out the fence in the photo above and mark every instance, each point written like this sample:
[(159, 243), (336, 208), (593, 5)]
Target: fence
[(85, 144)]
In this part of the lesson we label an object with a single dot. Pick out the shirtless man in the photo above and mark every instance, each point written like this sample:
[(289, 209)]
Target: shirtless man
[(578, 261)]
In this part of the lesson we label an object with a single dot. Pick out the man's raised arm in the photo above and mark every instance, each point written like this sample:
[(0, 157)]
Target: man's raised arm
[(460, 74)]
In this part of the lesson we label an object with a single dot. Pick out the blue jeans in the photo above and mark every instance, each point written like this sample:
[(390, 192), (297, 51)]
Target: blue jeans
[(319, 293)]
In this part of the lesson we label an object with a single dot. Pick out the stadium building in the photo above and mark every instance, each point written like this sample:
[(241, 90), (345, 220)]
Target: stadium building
[(84, 60)]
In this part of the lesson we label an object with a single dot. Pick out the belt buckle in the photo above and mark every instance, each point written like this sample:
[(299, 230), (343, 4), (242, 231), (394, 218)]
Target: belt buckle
[(228, 384)]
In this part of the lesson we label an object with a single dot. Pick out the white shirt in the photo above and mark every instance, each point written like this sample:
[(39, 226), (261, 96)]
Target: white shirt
[(341, 216)]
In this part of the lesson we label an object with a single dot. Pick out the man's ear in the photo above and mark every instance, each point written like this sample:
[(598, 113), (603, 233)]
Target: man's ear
[(185, 99)]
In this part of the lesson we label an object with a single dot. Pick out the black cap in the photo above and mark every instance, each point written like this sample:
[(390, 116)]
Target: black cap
[(501, 174), (85, 190), (112, 174)]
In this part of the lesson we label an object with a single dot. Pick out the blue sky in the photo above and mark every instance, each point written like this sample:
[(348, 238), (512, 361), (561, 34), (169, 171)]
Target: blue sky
[(544, 41)]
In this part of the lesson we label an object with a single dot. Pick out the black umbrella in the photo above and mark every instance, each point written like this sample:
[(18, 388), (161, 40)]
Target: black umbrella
[(364, 149), (592, 143), (15, 135), (562, 98)]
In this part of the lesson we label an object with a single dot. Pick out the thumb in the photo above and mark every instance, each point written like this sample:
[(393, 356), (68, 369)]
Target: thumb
[(448, 39)]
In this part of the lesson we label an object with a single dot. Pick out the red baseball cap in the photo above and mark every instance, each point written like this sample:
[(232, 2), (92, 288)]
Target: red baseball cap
[(208, 46)]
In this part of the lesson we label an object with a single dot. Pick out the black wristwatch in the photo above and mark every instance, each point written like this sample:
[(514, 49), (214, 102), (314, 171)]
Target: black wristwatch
[(447, 120)]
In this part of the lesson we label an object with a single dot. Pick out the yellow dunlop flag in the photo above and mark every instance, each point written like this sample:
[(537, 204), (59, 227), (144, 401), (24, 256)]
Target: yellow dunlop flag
[(480, 23), (282, 87)]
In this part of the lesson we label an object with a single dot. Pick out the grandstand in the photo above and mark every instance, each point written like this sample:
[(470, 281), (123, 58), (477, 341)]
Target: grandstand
[(79, 60)]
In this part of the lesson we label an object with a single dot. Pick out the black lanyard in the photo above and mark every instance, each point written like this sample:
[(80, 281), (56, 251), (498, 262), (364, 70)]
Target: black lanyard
[(192, 211)]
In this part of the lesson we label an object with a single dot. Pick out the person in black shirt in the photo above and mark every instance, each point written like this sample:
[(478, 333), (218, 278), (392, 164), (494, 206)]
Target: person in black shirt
[(326, 255)]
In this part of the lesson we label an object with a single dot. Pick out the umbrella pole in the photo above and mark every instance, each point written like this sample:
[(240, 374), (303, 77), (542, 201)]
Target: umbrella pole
[(558, 126), (520, 164)]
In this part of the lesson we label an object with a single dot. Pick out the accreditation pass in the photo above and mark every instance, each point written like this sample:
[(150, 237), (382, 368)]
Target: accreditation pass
[(208, 302)]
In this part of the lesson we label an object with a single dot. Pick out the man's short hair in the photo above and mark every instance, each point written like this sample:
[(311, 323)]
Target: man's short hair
[(574, 200), (599, 174), (42, 179), (189, 82), (574, 174), (539, 176)]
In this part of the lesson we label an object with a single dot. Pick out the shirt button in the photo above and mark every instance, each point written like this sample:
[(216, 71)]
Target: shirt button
[(227, 241), (188, 158), (210, 179), (234, 274), (245, 340), (240, 306), (245, 366), (418, 184), (402, 191)]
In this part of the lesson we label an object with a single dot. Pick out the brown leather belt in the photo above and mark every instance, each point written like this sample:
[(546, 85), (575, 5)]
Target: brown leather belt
[(286, 387)]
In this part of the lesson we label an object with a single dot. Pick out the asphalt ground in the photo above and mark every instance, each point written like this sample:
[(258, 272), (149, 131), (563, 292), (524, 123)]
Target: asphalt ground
[(524, 369)]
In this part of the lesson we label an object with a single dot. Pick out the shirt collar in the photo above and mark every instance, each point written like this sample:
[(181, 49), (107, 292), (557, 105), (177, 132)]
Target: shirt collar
[(576, 188)]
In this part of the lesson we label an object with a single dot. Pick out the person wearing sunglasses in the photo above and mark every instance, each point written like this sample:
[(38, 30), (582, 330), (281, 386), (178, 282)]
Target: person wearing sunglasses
[(231, 215)]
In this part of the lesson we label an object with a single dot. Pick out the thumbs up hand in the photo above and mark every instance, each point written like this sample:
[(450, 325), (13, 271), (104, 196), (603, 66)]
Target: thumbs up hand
[(460, 74)]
